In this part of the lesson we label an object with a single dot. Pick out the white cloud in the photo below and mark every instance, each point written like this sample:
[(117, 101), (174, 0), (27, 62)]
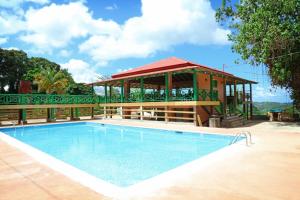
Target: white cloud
[(16, 3), (163, 24), (112, 7), (64, 53), (10, 24), (12, 48), (81, 71), (3, 40), (54, 26), (264, 92)]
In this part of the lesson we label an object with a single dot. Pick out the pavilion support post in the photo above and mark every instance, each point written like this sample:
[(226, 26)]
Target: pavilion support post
[(77, 113), (244, 101), (235, 95), (195, 115), (142, 89), (121, 112), (122, 91), (51, 115), (71, 114), (195, 85), (105, 112), (141, 113), (230, 90), (126, 98), (211, 87), (105, 92), (24, 116), (92, 113), (224, 98), (251, 102), (168, 85), (110, 94), (166, 114)]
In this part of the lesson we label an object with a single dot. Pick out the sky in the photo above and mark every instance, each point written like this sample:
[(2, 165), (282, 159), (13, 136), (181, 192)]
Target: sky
[(91, 38)]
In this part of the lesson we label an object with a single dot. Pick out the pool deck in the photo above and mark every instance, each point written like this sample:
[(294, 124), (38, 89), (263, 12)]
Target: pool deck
[(269, 169)]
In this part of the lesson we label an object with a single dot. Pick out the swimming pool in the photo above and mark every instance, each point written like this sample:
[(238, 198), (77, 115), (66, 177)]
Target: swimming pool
[(121, 155)]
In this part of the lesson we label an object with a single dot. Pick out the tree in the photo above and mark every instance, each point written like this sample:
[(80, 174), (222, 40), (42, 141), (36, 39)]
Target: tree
[(80, 89), (267, 32), (37, 64), (51, 82), (13, 64)]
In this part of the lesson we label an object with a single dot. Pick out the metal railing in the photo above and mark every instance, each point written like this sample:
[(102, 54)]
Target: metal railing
[(247, 136), (44, 99)]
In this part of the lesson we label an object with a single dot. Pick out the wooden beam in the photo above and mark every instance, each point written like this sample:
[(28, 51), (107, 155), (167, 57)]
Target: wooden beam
[(169, 103), (251, 105), (3, 107)]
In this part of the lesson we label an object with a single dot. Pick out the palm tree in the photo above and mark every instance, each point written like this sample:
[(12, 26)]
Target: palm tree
[(51, 81)]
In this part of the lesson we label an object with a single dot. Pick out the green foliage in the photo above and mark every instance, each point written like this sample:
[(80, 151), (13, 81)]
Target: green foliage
[(13, 65), (80, 88), (267, 32), (261, 108), (51, 82), (37, 64)]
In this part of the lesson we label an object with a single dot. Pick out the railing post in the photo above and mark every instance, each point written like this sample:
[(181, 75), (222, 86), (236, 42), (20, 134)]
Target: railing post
[(110, 93), (166, 87), (24, 116), (251, 103), (244, 101), (122, 91), (77, 113), (50, 114), (142, 89), (211, 86), (195, 85), (105, 92), (235, 95)]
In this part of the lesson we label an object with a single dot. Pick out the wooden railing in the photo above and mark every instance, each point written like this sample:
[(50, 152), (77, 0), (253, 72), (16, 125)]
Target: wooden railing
[(47, 99)]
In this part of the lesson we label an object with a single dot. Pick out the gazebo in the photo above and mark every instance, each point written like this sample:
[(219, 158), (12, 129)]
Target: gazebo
[(174, 89)]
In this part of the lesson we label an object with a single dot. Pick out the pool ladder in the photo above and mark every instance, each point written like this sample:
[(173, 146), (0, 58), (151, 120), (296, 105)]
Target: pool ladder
[(247, 135)]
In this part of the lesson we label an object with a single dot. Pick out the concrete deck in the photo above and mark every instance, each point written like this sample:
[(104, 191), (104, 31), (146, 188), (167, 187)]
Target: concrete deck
[(269, 169)]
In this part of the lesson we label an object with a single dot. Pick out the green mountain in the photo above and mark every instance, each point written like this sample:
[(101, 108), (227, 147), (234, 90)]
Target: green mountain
[(261, 108)]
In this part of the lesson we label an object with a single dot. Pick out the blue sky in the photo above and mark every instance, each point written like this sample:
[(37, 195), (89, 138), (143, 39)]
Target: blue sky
[(95, 37)]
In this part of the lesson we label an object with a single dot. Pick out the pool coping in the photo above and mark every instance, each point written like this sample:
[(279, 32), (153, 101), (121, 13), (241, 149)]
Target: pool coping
[(145, 187)]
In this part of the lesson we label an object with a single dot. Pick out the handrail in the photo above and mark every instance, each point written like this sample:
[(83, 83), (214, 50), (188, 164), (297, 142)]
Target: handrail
[(46, 99), (247, 135)]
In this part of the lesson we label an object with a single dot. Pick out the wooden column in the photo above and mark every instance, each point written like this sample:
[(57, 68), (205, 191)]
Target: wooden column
[(244, 100), (122, 91), (251, 102), (224, 97), (195, 116), (142, 89), (141, 113), (105, 112), (235, 95), (168, 85), (51, 115), (105, 92), (110, 93), (92, 113), (166, 114), (23, 116), (195, 85), (211, 86)]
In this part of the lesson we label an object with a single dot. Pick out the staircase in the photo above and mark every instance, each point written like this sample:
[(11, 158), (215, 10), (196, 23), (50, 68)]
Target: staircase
[(233, 121)]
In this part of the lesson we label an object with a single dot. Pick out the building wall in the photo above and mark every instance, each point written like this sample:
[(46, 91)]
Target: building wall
[(204, 83)]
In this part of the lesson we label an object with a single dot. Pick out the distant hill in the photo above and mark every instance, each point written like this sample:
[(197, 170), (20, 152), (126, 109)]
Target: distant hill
[(261, 108)]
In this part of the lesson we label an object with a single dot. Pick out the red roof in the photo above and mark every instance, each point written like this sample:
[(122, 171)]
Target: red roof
[(162, 65)]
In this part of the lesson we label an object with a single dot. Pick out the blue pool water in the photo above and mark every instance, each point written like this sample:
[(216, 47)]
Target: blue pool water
[(121, 155)]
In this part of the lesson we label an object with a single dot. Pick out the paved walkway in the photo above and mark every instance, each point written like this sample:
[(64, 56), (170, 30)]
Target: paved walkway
[(268, 170)]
